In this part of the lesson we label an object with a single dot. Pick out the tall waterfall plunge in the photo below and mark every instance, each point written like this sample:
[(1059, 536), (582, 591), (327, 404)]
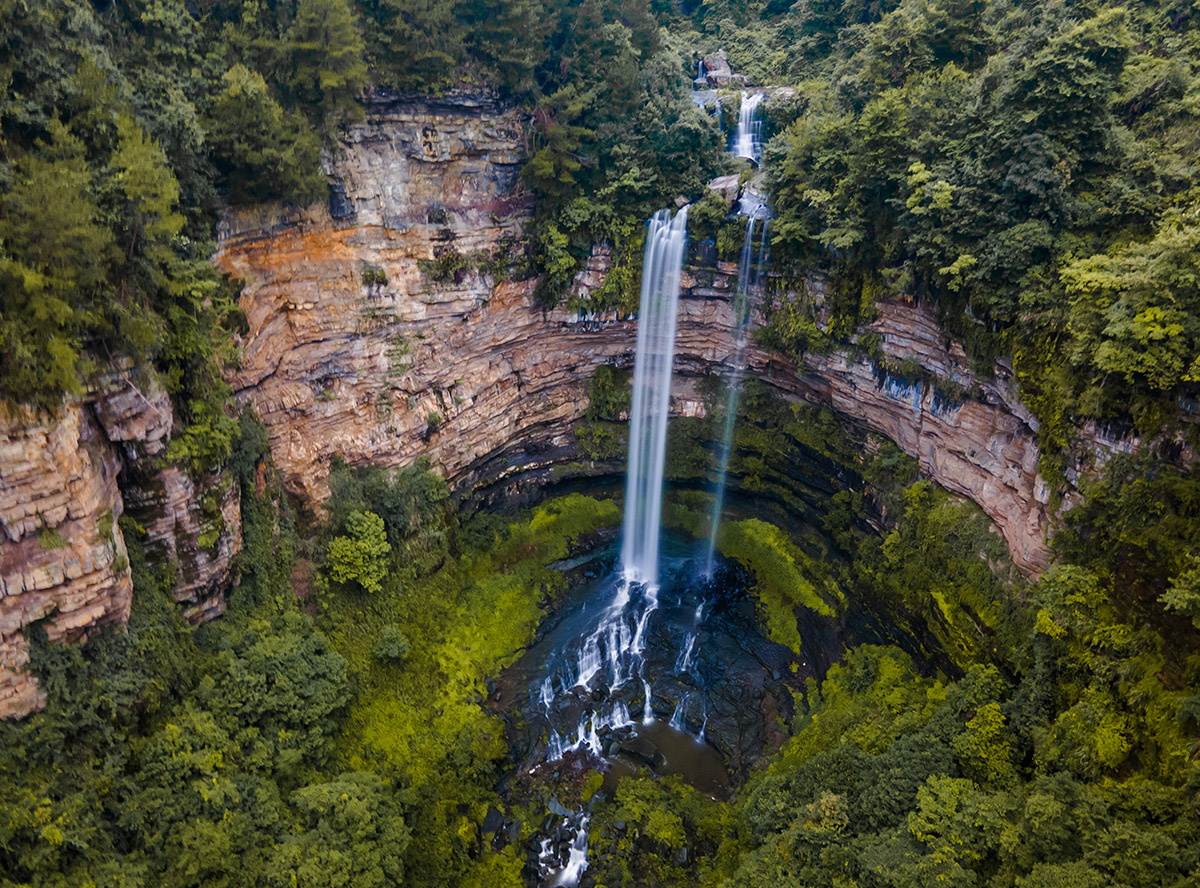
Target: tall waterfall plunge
[(750, 276), (651, 394), (610, 655)]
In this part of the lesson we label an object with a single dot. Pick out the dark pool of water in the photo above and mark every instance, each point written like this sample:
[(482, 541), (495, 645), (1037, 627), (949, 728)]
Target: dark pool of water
[(718, 686)]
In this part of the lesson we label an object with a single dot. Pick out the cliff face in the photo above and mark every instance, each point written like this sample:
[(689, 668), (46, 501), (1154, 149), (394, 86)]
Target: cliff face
[(65, 479), (978, 442), (470, 372), (359, 349), (382, 328), (62, 551)]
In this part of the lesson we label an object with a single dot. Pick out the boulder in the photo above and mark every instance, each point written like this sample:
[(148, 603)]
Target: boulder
[(493, 820), (716, 69), (642, 750), (728, 187)]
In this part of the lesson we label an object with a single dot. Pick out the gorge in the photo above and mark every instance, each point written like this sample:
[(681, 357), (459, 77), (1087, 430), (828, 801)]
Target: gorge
[(599, 444)]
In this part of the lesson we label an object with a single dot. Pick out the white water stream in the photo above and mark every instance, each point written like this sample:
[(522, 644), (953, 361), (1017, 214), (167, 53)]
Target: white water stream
[(747, 141), (612, 654), (751, 273)]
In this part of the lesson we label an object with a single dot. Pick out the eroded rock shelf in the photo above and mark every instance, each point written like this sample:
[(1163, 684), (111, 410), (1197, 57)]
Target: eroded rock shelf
[(378, 333)]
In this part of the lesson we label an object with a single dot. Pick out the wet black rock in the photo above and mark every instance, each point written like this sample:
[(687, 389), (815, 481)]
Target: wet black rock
[(642, 750), (493, 820)]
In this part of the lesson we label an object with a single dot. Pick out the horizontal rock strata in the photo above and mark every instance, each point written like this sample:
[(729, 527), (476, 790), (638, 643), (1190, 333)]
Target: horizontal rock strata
[(65, 479), (472, 373), (62, 555)]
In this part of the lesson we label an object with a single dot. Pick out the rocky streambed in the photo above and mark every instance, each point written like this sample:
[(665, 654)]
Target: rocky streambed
[(679, 679)]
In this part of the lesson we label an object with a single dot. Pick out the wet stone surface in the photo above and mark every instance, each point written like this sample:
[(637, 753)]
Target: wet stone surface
[(677, 679), (717, 685)]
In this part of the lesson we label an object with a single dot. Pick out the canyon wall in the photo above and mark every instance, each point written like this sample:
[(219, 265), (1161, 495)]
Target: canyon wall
[(388, 324), (65, 479), (361, 349)]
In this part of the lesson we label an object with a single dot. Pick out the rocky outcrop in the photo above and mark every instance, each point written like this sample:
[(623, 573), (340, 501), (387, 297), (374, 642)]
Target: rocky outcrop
[(62, 555), (715, 69), (374, 334), (65, 479), (360, 349), (973, 436)]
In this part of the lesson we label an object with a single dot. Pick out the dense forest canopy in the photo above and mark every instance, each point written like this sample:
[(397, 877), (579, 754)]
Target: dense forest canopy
[(1027, 167), (126, 126)]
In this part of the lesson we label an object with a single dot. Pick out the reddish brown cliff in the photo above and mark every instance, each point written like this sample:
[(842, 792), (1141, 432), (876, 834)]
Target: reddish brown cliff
[(62, 553), (469, 371), (65, 479)]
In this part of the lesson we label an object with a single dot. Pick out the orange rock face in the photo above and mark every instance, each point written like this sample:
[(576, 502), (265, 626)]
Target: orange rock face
[(65, 479), (61, 554), (470, 372)]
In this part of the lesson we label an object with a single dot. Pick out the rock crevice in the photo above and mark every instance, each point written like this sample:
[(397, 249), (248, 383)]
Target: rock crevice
[(65, 479)]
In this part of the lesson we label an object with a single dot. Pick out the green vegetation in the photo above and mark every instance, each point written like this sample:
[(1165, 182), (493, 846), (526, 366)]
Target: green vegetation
[(601, 435), (781, 570), (359, 557), (272, 749), (1027, 168)]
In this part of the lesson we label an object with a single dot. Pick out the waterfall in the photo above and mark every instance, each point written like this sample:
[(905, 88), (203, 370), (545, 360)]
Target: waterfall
[(577, 861), (611, 651), (747, 141), (679, 714), (651, 394), (750, 273)]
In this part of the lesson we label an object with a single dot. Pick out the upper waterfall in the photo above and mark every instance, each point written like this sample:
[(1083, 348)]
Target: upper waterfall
[(747, 141), (661, 270)]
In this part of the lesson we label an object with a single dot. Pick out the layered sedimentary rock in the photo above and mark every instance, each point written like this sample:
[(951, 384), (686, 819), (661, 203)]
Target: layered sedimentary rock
[(973, 437), (62, 555), (65, 479), (374, 336), (360, 348)]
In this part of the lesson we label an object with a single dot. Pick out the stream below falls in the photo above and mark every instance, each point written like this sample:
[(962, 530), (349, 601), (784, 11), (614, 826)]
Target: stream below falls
[(678, 678)]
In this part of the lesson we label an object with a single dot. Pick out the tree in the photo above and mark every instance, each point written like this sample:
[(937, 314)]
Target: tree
[(263, 152), (150, 194), (350, 833), (1184, 594), (55, 257), (1134, 311), (416, 44), (360, 557), (328, 71)]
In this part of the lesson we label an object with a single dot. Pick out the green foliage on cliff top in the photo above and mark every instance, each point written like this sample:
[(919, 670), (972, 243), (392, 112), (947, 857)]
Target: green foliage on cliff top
[(1028, 168)]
